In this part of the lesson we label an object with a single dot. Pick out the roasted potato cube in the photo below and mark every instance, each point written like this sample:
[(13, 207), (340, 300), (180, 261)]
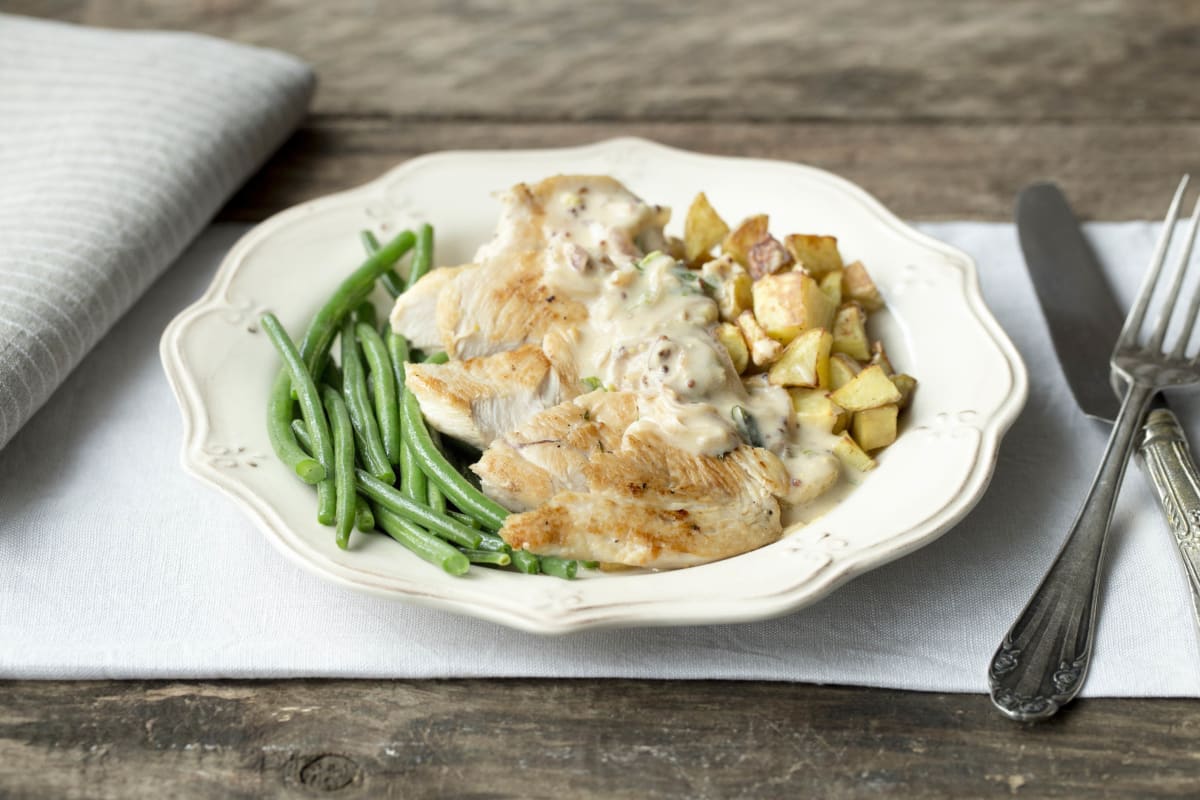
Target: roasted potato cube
[(818, 255), (858, 286), (767, 257), (879, 356), (703, 229), (763, 349), (729, 335), (734, 293), (676, 248), (850, 332), (842, 369), (869, 389), (875, 427), (738, 242), (804, 361), (906, 385), (814, 408), (831, 284), (790, 302), (852, 455)]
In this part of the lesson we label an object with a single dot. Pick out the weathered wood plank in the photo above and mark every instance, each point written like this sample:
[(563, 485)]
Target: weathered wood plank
[(709, 59), (919, 170), (549, 739)]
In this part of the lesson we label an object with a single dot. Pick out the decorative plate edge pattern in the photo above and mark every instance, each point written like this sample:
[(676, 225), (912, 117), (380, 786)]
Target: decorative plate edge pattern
[(555, 618)]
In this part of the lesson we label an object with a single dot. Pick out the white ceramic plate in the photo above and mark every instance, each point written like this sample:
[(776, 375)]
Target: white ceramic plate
[(972, 383)]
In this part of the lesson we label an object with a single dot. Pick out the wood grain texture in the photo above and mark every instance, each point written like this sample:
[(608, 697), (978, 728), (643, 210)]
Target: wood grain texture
[(941, 108), (710, 59), (541, 739), (919, 170)]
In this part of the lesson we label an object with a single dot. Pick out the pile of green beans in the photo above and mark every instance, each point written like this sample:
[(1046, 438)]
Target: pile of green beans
[(361, 439)]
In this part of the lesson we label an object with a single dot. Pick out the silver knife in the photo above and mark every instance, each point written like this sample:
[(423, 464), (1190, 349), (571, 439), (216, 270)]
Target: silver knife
[(1084, 321)]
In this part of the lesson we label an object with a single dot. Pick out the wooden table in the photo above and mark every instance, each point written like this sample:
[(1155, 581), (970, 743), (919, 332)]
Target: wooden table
[(941, 109)]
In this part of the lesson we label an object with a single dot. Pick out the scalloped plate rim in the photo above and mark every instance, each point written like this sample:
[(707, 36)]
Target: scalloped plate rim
[(675, 611)]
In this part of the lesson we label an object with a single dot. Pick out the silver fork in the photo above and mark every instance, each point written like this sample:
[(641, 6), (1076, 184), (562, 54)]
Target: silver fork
[(1041, 664)]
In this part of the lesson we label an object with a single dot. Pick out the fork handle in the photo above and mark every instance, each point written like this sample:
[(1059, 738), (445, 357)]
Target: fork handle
[(1169, 461), (1043, 659)]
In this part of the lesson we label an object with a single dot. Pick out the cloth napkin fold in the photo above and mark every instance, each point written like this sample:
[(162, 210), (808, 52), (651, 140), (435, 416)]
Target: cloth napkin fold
[(116, 148), (114, 563)]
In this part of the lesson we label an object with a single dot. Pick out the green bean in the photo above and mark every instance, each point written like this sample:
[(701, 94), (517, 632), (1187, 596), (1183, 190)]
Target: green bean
[(559, 567), (364, 519), (466, 497), (490, 541), (413, 482), (383, 385), (440, 357), (526, 562), (343, 464), (366, 314), (397, 347), (422, 256), (465, 519), (434, 497), (332, 375), (421, 542), (439, 524), (301, 432), (351, 292), (590, 564), (354, 389), (390, 279), (488, 557), (310, 408), (280, 426)]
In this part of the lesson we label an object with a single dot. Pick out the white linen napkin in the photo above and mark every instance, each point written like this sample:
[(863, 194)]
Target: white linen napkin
[(116, 148), (114, 563)]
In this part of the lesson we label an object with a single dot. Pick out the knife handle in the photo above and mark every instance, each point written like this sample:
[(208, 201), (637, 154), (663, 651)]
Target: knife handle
[(1177, 482)]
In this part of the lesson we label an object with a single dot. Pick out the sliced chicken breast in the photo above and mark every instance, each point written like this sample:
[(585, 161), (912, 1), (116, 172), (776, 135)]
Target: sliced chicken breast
[(480, 398)]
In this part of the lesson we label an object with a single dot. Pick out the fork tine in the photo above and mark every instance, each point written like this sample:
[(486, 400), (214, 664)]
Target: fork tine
[(1137, 316), (1185, 335), (1165, 311)]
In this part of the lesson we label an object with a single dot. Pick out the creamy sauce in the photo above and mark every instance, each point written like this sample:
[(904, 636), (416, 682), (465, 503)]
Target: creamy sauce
[(649, 331)]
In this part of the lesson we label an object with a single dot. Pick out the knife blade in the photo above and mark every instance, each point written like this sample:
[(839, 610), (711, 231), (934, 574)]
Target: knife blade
[(1085, 320)]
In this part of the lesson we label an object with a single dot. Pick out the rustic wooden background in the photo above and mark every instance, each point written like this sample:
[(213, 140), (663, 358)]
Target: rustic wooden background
[(942, 109)]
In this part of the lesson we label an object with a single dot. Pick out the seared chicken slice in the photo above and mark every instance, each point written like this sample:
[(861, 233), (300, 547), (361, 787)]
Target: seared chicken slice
[(599, 490), (517, 291), (524, 468), (414, 316), (480, 398)]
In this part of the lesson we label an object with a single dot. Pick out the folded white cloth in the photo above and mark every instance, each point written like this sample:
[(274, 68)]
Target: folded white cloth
[(114, 563), (116, 148)]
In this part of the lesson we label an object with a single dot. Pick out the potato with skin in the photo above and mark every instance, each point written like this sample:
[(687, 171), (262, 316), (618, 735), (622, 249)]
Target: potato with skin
[(818, 255), (763, 349), (703, 229), (790, 302), (804, 362), (850, 332), (869, 389), (858, 286), (738, 242), (767, 257), (874, 428)]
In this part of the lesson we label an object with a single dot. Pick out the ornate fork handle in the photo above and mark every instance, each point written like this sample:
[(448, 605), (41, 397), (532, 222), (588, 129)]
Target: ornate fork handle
[(1043, 659), (1173, 471)]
